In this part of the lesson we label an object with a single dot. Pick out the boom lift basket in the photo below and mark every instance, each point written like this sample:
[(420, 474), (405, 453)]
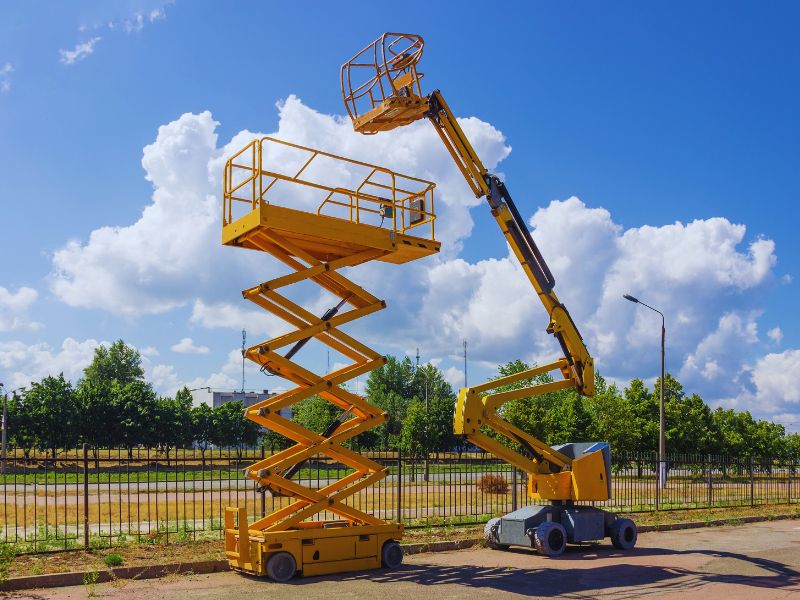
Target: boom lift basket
[(317, 213), (380, 84)]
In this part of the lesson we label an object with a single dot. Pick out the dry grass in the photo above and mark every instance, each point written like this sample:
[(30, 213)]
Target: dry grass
[(58, 511)]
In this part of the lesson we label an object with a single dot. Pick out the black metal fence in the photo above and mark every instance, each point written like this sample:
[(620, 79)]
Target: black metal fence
[(86, 499)]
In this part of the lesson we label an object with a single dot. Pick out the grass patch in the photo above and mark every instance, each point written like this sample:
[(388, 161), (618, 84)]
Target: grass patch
[(113, 560)]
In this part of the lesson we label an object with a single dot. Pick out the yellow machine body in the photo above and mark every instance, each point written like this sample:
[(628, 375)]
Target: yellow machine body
[(279, 198), (317, 550)]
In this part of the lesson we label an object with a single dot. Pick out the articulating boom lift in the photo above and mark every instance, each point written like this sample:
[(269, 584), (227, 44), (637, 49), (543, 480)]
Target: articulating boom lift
[(381, 91)]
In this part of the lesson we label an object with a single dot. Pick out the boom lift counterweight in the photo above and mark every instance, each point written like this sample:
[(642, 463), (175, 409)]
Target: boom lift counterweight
[(381, 91)]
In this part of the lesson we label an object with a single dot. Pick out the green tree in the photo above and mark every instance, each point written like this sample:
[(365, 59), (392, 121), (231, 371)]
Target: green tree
[(52, 408), (613, 419), (135, 408), (21, 428), (428, 429), (315, 413), (792, 447), (531, 414), (274, 440), (119, 362), (688, 420), (396, 406), (111, 369), (203, 428), (644, 406), (98, 417), (732, 430), (391, 388), (232, 429), (172, 426), (568, 419), (768, 441), (413, 434)]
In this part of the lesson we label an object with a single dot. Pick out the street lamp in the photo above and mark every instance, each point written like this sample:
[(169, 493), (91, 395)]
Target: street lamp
[(4, 426), (662, 465), (5, 430)]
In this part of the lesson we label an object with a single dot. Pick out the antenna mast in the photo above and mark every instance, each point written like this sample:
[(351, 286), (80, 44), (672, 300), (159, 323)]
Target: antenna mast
[(244, 346)]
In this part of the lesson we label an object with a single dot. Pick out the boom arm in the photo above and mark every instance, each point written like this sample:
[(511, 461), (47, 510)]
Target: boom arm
[(393, 97), (577, 369)]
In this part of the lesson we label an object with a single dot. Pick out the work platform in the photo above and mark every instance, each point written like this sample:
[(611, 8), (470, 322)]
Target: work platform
[(371, 208), (318, 213)]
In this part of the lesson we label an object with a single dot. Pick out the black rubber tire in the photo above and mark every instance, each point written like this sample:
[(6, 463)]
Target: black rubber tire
[(490, 535), (391, 555), (624, 534), (281, 567), (550, 539)]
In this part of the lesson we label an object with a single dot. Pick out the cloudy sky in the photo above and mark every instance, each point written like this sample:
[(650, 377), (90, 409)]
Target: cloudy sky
[(653, 150)]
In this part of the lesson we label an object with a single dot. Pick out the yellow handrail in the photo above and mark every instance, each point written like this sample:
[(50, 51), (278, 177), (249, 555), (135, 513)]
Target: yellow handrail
[(378, 192)]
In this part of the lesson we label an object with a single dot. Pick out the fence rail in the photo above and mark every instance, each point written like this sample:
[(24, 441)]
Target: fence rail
[(91, 499)]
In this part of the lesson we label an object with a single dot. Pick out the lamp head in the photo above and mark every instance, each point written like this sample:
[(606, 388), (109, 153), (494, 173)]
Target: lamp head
[(631, 298)]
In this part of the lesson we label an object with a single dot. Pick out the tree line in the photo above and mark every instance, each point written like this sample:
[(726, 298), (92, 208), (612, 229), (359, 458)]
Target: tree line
[(113, 406)]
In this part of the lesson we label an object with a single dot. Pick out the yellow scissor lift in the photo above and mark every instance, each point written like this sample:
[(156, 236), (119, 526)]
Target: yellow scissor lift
[(317, 213)]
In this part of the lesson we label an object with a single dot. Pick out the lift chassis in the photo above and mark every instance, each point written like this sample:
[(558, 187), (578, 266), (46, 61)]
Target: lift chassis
[(381, 91)]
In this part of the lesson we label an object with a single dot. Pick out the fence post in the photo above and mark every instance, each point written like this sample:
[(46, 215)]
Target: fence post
[(399, 486), (710, 484), (86, 497), (263, 490), (752, 484), (513, 488), (658, 483)]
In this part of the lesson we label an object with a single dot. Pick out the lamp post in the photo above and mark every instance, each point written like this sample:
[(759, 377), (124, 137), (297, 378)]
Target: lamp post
[(4, 425), (4, 434), (662, 465)]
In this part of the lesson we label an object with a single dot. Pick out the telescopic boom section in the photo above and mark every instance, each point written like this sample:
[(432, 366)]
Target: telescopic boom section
[(381, 91)]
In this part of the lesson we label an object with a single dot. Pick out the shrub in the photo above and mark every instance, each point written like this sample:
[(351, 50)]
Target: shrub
[(113, 560), (493, 484), (7, 555)]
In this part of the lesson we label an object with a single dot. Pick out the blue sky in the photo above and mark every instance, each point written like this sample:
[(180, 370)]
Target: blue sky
[(645, 114)]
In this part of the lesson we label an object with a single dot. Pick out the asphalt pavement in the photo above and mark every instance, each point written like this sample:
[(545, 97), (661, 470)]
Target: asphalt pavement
[(752, 561)]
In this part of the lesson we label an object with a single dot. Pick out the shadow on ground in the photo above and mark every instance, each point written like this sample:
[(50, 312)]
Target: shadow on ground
[(622, 579)]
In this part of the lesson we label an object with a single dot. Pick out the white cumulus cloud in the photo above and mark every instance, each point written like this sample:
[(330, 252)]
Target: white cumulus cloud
[(5, 77), (79, 52), (14, 309), (708, 276), (23, 363), (775, 334), (187, 346), (772, 390)]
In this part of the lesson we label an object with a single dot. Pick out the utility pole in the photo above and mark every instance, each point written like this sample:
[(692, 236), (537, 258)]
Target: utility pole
[(425, 374), (244, 340), (465, 363), (427, 422), (5, 430)]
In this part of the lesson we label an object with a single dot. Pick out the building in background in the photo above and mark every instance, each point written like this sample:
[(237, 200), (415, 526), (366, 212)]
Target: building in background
[(247, 399)]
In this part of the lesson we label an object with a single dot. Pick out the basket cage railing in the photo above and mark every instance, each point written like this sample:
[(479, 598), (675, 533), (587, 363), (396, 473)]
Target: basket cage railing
[(383, 69), (273, 171)]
